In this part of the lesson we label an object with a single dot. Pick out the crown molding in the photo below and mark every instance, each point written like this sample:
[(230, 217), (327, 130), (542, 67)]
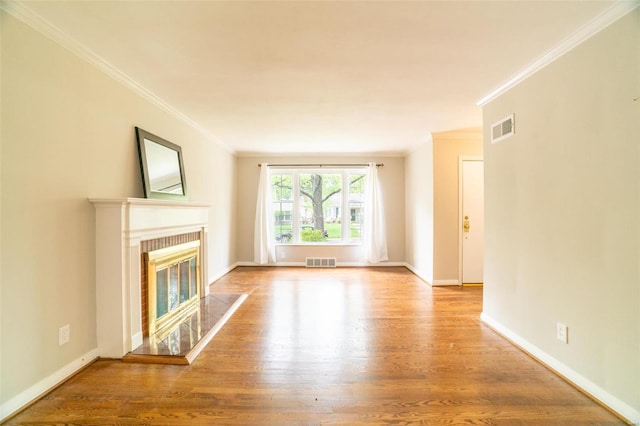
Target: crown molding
[(367, 154), (22, 12), (619, 9)]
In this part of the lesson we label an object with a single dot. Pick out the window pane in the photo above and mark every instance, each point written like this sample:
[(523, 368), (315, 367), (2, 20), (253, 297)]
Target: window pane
[(193, 277), (282, 221), (356, 205), (173, 287), (282, 196), (332, 206), (162, 292), (281, 187), (184, 281), (320, 207)]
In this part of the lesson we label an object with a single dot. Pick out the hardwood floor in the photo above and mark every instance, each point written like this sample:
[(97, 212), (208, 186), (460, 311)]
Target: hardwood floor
[(332, 346)]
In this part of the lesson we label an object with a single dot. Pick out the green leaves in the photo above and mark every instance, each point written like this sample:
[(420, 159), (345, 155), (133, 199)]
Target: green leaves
[(312, 235)]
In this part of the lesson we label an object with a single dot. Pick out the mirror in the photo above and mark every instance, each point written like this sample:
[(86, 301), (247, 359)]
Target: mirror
[(161, 167)]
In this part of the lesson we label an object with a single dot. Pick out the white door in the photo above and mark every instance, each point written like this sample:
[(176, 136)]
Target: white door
[(472, 221)]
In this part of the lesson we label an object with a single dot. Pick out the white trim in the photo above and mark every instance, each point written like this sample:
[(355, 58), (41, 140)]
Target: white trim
[(18, 402), (25, 14), (338, 264), (251, 263), (319, 244), (417, 273), (445, 282), (367, 264), (296, 154), (137, 339), (221, 274), (600, 22), (585, 385)]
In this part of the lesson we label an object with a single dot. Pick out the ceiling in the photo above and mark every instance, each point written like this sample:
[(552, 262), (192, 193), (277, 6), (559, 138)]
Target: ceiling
[(321, 77)]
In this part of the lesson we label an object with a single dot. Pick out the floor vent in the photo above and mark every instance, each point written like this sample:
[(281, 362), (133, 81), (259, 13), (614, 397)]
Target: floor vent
[(320, 262), (503, 129)]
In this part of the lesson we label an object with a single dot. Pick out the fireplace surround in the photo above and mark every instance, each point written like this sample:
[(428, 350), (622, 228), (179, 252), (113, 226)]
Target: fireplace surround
[(123, 226)]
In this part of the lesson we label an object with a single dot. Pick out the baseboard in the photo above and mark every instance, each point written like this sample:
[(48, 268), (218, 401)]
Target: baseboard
[(445, 282), (137, 340), (217, 276), (367, 264), (244, 263), (338, 264), (417, 273), (594, 391), (20, 401)]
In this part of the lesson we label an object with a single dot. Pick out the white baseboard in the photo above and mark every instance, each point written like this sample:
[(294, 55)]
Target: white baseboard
[(223, 272), (137, 340), (13, 405), (244, 263), (367, 264), (594, 391), (417, 273), (338, 264), (432, 283), (445, 282)]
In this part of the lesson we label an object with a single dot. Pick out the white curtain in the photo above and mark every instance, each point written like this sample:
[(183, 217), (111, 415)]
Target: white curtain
[(264, 245), (375, 232)]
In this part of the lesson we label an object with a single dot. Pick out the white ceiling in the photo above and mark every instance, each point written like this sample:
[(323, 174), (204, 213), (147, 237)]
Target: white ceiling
[(321, 77)]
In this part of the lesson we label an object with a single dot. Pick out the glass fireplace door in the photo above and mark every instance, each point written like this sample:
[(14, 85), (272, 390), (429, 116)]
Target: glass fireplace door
[(173, 284)]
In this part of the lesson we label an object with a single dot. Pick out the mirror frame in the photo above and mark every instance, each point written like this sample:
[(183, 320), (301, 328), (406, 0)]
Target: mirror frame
[(141, 135)]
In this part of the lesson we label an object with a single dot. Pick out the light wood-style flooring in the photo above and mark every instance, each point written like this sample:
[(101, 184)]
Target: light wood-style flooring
[(332, 346)]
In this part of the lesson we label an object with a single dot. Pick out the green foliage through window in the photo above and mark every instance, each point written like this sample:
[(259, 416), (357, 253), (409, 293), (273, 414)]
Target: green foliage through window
[(312, 235)]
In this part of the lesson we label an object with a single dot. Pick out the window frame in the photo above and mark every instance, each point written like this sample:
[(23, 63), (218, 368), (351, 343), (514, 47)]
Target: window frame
[(345, 206)]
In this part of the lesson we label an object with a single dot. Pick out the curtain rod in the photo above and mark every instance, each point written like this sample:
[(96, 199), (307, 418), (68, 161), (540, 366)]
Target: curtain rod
[(321, 165)]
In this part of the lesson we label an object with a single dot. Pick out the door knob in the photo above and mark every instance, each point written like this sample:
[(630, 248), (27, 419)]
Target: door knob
[(465, 224)]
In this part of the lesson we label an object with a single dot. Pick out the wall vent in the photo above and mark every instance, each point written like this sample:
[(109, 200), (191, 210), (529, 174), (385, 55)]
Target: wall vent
[(320, 262), (503, 129)]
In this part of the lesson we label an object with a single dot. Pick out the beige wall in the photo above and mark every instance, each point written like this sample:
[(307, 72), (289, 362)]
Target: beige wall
[(448, 147), (67, 135), (432, 200), (393, 192), (562, 234), (419, 210)]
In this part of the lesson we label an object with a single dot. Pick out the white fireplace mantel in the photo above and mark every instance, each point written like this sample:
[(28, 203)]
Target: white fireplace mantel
[(121, 224)]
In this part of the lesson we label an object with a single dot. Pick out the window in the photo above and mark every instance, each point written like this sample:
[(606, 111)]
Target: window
[(318, 206)]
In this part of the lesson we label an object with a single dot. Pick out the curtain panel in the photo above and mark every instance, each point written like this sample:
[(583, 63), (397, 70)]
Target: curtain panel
[(375, 230), (264, 246)]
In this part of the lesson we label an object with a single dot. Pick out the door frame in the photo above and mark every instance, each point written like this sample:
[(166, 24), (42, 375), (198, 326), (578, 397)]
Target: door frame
[(461, 159)]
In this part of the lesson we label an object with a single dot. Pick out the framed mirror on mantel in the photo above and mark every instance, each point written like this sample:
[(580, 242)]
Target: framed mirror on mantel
[(161, 166)]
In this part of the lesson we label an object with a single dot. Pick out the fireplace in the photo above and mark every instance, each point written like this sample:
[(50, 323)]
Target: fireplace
[(173, 291), (127, 231), (157, 245)]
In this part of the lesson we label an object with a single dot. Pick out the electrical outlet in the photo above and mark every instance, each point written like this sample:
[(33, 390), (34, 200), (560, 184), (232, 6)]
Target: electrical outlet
[(64, 335), (562, 332)]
